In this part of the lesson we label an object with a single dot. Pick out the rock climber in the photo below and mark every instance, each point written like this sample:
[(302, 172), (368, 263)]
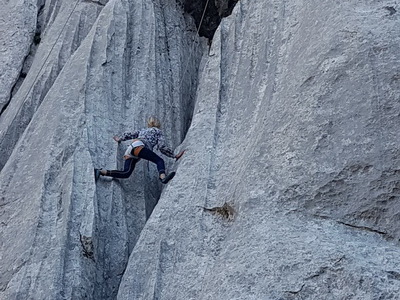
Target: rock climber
[(142, 146)]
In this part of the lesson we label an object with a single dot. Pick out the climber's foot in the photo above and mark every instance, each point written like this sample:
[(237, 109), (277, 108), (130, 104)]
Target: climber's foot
[(167, 178)]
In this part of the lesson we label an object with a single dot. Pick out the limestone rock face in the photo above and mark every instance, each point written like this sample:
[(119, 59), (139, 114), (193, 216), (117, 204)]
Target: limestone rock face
[(208, 13), (296, 128), (58, 29), (289, 187), (100, 69), (17, 28)]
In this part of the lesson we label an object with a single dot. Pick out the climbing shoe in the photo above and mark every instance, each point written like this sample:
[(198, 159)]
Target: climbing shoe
[(168, 178), (96, 174)]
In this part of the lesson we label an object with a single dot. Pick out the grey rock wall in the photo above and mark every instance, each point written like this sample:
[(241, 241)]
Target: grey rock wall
[(207, 14), (290, 183), (58, 29), (99, 70), (296, 128), (17, 28)]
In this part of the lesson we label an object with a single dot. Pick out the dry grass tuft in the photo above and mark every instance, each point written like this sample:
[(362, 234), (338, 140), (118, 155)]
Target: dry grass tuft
[(225, 211), (87, 247)]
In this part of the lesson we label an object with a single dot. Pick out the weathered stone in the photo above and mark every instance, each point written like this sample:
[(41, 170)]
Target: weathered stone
[(208, 14), (61, 26), (63, 236), (17, 28), (296, 127), (289, 186)]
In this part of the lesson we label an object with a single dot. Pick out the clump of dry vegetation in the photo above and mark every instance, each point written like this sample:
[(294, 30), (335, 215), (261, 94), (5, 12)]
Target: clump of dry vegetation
[(225, 211), (87, 247)]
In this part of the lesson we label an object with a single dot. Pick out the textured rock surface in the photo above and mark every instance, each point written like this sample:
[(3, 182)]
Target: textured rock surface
[(296, 126), (209, 13), (63, 237), (60, 28), (17, 28)]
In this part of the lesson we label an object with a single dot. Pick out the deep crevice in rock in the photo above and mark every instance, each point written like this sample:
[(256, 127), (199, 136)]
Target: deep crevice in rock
[(26, 65), (363, 228), (215, 11), (28, 58), (3, 109), (108, 274), (360, 227), (97, 2), (16, 86)]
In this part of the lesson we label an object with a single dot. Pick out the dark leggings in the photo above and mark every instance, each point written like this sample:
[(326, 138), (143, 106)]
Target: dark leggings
[(151, 156), (129, 165)]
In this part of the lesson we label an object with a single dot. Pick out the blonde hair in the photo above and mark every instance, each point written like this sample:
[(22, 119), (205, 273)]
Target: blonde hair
[(153, 122)]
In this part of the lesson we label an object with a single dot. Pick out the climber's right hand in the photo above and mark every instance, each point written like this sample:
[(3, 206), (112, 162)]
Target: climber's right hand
[(179, 155)]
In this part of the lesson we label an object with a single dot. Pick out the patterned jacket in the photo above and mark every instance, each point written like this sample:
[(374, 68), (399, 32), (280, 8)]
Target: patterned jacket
[(150, 137)]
